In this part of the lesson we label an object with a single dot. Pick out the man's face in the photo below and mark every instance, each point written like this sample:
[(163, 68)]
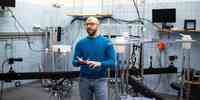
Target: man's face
[(91, 28)]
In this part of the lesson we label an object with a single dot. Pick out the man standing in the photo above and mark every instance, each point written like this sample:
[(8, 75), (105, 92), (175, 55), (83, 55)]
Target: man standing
[(94, 54)]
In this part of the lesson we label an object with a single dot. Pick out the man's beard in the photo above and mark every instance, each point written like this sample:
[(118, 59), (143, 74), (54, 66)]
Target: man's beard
[(91, 32)]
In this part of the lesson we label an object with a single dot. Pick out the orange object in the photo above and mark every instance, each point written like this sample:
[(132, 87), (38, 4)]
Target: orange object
[(161, 45)]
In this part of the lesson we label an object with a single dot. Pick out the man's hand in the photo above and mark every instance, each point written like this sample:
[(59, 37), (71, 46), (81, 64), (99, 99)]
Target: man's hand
[(81, 61), (93, 64)]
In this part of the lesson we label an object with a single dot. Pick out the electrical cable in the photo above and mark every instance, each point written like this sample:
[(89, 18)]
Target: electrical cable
[(2, 82), (78, 33), (26, 34), (159, 79), (137, 10), (1, 92), (119, 21)]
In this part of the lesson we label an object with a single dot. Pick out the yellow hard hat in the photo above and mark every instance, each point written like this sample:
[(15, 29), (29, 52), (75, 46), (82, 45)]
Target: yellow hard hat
[(92, 20)]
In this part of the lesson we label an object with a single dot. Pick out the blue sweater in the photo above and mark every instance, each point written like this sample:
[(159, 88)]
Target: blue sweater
[(96, 49)]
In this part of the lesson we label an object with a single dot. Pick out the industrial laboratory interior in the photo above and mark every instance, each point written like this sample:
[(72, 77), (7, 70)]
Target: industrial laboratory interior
[(99, 50)]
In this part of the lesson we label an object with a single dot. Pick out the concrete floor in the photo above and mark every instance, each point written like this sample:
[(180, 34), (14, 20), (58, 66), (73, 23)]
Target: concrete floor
[(36, 92)]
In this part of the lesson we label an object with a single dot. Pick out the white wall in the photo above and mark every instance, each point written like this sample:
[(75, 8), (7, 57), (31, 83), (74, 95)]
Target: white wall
[(41, 12)]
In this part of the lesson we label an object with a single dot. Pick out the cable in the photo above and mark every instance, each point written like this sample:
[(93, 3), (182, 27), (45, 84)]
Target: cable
[(26, 34), (2, 82), (1, 92), (159, 77), (120, 21), (136, 7)]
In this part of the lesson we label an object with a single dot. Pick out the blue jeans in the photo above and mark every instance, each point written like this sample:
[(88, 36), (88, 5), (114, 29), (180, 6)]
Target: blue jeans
[(90, 88)]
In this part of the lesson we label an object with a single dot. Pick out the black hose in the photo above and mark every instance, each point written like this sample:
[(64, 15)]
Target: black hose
[(144, 90)]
